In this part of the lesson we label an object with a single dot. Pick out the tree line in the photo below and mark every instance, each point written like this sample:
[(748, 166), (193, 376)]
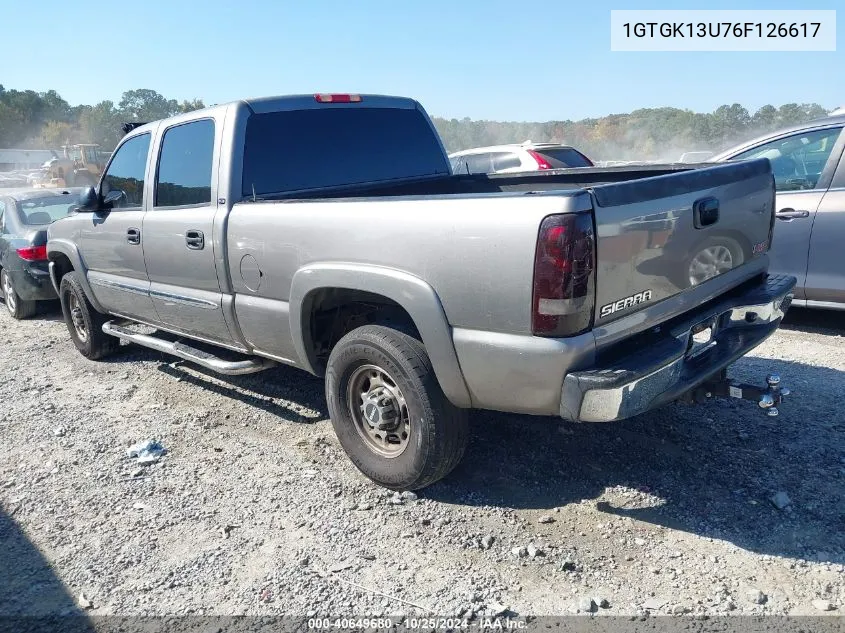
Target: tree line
[(44, 120), (644, 134)]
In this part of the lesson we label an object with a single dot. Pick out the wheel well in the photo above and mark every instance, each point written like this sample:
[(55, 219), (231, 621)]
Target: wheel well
[(334, 312), (62, 265)]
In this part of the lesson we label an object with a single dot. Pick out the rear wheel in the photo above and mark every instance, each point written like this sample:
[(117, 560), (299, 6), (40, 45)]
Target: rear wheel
[(17, 307), (389, 411), (83, 322)]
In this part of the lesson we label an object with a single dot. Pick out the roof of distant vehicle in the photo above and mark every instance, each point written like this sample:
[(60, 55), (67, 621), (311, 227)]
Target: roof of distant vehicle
[(32, 194), (808, 125), (509, 147)]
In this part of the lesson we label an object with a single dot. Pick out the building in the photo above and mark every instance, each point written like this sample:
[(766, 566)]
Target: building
[(12, 159)]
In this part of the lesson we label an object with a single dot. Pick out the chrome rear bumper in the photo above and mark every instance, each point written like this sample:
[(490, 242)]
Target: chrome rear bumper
[(693, 350)]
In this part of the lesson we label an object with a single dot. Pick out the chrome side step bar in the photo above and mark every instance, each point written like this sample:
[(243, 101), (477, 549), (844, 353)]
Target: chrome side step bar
[(188, 353)]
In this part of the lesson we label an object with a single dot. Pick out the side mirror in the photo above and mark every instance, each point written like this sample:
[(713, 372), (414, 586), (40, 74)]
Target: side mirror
[(89, 201), (112, 197)]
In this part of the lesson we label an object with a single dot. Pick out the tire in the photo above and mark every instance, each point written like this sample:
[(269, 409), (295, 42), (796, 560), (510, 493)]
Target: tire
[(728, 255), (17, 307), (83, 322), (436, 432)]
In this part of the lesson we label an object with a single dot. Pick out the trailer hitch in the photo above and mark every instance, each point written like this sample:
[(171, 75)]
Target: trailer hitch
[(767, 398)]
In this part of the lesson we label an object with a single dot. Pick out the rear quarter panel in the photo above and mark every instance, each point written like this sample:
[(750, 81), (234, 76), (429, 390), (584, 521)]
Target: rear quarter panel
[(476, 252)]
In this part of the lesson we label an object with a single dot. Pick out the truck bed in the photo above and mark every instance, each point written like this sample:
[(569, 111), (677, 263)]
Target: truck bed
[(556, 179), (647, 230)]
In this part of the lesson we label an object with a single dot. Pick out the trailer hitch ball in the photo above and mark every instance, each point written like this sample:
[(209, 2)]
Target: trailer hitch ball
[(773, 380)]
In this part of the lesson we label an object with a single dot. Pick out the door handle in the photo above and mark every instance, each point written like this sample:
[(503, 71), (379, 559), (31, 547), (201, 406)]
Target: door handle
[(195, 240), (133, 236), (791, 214)]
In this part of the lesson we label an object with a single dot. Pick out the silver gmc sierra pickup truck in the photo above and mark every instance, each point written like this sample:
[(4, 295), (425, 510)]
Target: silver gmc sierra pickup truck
[(327, 232)]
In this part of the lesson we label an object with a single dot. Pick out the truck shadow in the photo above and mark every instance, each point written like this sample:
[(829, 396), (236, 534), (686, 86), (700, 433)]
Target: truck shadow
[(32, 597), (289, 393), (817, 321), (710, 469)]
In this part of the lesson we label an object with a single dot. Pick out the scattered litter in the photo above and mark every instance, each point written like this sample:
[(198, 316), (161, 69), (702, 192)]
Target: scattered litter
[(497, 608), (587, 605), (822, 605), (756, 596), (139, 506), (83, 602), (781, 500), (337, 567), (146, 452), (545, 519)]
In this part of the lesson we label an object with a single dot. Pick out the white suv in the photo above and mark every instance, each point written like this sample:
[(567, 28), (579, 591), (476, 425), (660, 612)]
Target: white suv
[(527, 156)]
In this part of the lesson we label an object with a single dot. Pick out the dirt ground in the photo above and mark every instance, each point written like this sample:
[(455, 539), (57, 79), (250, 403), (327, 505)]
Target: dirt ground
[(256, 510)]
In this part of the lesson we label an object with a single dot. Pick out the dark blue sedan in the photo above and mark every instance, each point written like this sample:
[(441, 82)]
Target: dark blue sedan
[(24, 218)]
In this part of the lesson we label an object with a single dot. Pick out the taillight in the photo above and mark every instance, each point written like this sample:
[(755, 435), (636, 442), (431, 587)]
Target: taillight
[(542, 163), (564, 276), (33, 253), (337, 98)]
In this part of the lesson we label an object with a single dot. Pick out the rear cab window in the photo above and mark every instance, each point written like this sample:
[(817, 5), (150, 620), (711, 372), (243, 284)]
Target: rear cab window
[(183, 175), (300, 150)]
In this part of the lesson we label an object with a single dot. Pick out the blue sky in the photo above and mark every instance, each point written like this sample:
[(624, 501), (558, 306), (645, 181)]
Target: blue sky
[(482, 59)]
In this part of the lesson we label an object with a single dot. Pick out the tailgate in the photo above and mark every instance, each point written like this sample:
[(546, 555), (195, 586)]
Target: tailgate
[(658, 237)]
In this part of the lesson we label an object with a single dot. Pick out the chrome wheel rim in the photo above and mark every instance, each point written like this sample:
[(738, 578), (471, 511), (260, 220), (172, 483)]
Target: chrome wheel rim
[(76, 318), (379, 411), (9, 292), (709, 263)]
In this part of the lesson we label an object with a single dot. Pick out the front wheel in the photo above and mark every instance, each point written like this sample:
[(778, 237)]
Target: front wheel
[(17, 307), (389, 412), (83, 322)]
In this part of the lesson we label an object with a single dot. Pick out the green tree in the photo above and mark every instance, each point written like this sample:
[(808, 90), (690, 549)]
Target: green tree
[(146, 105), (101, 124), (190, 106)]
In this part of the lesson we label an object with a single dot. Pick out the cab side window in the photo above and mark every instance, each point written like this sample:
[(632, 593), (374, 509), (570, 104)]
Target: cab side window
[(505, 160), (479, 163), (126, 172), (798, 160), (185, 165)]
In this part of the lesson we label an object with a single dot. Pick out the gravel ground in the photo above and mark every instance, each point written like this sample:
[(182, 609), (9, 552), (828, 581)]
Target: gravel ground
[(255, 509)]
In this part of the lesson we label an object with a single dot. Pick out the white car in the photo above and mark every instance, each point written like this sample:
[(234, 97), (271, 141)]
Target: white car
[(526, 156)]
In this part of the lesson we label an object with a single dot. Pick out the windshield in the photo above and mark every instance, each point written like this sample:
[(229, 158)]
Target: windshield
[(312, 149), (41, 211)]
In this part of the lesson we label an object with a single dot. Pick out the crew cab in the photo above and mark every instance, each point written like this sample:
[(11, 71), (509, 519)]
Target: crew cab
[(327, 232)]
